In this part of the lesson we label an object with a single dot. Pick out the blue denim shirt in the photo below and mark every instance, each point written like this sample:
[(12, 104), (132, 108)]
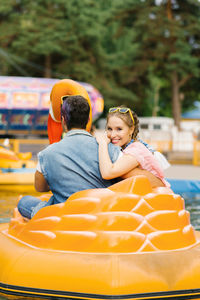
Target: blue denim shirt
[(72, 165)]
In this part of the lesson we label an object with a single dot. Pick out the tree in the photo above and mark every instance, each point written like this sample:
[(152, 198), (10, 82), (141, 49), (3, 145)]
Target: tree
[(184, 56), (136, 52), (162, 39), (55, 37)]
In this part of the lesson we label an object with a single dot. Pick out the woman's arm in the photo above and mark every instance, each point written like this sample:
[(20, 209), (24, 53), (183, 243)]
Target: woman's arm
[(111, 170), (40, 183)]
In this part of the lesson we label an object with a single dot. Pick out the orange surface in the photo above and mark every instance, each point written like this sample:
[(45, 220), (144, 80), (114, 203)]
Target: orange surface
[(62, 88), (7, 154), (10, 159), (128, 217), (22, 181), (127, 239)]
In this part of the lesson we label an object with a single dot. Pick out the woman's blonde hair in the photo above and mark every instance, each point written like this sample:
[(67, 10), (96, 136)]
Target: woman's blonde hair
[(126, 117)]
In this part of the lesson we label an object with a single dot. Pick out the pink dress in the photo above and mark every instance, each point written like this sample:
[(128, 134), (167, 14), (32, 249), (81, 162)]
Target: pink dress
[(146, 160)]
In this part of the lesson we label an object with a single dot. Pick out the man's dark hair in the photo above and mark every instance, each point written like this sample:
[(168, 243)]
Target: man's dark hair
[(75, 110)]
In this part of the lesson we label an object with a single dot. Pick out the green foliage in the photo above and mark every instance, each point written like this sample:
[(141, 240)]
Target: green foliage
[(127, 49)]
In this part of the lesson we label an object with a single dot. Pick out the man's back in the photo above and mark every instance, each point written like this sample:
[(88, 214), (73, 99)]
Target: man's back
[(72, 165)]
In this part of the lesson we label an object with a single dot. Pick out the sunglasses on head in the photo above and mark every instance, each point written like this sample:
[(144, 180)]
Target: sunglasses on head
[(122, 110)]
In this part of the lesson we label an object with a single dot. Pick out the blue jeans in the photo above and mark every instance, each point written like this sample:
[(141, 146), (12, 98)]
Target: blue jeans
[(29, 205)]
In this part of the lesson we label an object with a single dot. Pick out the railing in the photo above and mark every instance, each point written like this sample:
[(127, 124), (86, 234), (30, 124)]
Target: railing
[(27, 145), (184, 155), (164, 146), (196, 153)]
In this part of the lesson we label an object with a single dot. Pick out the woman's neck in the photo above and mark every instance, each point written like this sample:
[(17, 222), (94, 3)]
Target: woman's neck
[(129, 143)]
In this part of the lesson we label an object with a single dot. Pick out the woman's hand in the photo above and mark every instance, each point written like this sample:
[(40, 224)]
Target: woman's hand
[(102, 138)]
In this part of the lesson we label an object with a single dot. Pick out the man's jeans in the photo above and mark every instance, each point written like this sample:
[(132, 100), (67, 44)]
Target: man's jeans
[(29, 205)]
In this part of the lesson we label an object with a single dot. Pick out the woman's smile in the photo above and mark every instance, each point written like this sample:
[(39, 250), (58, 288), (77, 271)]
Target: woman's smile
[(115, 141), (118, 131)]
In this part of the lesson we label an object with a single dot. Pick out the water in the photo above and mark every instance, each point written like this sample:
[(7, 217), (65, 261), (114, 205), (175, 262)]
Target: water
[(192, 203), (9, 200)]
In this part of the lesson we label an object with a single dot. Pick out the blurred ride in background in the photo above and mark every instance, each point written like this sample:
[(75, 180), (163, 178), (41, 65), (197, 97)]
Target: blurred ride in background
[(25, 101)]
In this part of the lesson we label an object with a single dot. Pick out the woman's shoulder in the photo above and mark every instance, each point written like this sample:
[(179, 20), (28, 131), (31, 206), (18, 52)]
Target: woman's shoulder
[(137, 145)]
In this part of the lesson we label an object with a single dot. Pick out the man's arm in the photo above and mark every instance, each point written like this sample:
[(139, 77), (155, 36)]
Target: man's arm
[(40, 183)]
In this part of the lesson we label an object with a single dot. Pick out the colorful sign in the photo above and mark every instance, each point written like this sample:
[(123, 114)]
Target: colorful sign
[(45, 101), (3, 100), (25, 102)]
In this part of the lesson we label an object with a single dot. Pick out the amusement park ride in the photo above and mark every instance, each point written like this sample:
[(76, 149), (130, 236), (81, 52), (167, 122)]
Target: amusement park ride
[(129, 241), (24, 110), (24, 105)]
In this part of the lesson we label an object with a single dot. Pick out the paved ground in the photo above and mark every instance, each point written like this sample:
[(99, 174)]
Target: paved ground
[(183, 172)]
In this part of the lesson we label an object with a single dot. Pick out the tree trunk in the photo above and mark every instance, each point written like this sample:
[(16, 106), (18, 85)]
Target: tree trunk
[(156, 101), (169, 9), (176, 104), (47, 72)]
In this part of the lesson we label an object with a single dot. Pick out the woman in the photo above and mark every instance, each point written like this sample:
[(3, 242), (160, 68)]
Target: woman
[(122, 130)]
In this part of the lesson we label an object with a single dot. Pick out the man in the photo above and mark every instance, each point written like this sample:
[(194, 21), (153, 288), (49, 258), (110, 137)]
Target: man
[(70, 165)]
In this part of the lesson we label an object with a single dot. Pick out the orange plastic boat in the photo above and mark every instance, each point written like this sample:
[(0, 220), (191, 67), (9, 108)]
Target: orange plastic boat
[(126, 242), (16, 171)]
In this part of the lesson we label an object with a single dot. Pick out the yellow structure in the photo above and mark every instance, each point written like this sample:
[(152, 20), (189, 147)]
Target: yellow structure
[(125, 242), (196, 153), (16, 171), (16, 144), (11, 160)]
